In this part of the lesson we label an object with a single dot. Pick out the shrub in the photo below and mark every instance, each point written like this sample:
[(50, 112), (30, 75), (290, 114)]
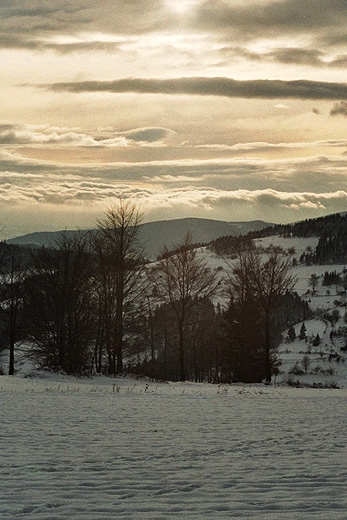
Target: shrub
[(291, 334), (296, 370), (305, 362)]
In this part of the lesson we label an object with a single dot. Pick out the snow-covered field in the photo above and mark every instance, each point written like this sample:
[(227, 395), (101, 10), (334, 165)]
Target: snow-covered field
[(130, 449)]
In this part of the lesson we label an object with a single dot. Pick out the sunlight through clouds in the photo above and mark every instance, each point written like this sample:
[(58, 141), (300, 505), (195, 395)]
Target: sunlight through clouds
[(194, 108), (181, 7)]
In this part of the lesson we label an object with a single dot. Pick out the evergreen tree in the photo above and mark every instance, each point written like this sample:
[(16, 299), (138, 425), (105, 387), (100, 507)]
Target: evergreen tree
[(316, 341), (302, 334), (291, 334)]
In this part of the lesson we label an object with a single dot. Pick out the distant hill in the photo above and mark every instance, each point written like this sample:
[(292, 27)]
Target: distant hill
[(41, 238), (313, 227), (154, 235)]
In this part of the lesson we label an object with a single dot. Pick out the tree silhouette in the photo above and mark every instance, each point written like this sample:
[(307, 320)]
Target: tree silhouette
[(180, 279), (120, 268)]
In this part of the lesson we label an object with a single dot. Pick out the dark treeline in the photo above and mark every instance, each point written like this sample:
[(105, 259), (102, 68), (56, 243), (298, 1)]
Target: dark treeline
[(222, 345), (332, 233), (230, 245), (333, 278), (93, 305), (316, 227), (331, 247)]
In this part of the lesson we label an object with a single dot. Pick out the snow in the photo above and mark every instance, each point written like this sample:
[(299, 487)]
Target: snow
[(323, 369), (300, 244), (123, 448), (327, 364), (103, 448)]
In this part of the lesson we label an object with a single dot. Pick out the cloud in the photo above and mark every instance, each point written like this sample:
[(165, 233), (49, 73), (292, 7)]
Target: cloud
[(43, 134), (273, 17), (264, 146), (339, 109), (98, 180), (205, 86), (148, 134), (339, 61), (86, 26), (47, 135), (117, 16), (229, 189), (272, 205), (297, 56), (17, 189), (239, 203), (36, 25), (309, 55)]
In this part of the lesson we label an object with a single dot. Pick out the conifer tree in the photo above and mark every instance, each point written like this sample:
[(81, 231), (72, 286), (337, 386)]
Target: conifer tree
[(291, 334), (302, 334)]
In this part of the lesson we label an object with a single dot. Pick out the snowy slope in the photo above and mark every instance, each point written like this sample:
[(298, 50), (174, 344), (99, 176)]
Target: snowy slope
[(327, 364)]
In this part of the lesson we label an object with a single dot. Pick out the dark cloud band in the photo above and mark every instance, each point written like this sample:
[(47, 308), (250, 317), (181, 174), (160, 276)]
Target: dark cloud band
[(202, 86)]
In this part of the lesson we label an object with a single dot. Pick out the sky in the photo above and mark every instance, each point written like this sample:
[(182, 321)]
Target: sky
[(223, 109)]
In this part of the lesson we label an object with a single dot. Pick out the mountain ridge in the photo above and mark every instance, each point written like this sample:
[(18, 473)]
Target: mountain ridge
[(157, 234)]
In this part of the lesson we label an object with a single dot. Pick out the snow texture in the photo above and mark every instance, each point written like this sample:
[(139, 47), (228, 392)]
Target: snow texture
[(119, 448)]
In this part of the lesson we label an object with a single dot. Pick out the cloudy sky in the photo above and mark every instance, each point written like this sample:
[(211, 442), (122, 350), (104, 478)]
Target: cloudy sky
[(224, 109)]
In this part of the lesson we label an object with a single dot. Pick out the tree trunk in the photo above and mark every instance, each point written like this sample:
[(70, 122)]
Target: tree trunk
[(182, 364), (267, 350), (120, 360), (12, 338), (11, 363)]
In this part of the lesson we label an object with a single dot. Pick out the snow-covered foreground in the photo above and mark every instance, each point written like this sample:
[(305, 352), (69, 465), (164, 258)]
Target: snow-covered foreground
[(126, 449)]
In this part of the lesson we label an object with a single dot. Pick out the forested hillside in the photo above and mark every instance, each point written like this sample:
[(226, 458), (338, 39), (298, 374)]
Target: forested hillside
[(331, 247), (316, 227), (93, 304)]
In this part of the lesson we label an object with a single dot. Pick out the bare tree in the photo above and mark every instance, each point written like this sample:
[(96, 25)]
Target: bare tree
[(257, 286), (12, 275), (313, 282), (59, 315), (244, 349), (120, 275), (271, 278), (180, 279)]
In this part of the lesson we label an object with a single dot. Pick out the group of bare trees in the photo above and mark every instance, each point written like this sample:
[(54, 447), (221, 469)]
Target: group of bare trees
[(257, 289), (180, 280), (166, 360), (71, 302), (58, 306), (195, 339), (92, 303)]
